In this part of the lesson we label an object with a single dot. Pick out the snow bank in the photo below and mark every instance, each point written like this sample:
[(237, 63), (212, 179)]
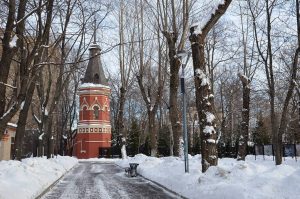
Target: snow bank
[(31, 176), (251, 179)]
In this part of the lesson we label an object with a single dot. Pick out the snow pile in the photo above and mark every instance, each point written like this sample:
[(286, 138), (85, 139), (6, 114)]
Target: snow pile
[(230, 179), (31, 176)]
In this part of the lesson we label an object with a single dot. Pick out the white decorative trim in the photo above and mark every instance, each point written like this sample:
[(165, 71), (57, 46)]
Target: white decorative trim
[(95, 104), (84, 104), (94, 92)]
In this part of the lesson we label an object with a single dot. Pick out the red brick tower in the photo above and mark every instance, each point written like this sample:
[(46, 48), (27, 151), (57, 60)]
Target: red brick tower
[(94, 130)]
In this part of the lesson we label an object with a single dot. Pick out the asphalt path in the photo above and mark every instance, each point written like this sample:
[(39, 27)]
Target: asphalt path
[(94, 180)]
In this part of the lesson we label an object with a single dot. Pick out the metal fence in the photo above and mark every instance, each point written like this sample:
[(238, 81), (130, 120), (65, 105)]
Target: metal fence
[(288, 150)]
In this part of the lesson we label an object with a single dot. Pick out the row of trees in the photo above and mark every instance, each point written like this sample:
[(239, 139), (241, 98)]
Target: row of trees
[(43, 55), (43, 47), (245, 64)]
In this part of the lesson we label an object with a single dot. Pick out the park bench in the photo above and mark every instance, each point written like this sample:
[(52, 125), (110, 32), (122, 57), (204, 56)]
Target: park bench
[(131, 171)]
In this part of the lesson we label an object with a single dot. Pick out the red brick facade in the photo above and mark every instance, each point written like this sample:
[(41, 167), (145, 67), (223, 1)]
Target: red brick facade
[(94, 129)]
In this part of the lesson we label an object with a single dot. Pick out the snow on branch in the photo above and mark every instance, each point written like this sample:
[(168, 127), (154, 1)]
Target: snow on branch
[(41, 136), (8, 85), (212, 11), (12, 124), (210, 117), (22, 105), (37, 119), (208, 130), (202, 76), (8, 111), (211, 141), (13, 42), (244, 78)]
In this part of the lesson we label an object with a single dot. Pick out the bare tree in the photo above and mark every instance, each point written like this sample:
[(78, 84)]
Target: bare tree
[(125, 67), (173, 23), (152, 95), (267, 54), (248, 68), (28, 59), (203, 91)]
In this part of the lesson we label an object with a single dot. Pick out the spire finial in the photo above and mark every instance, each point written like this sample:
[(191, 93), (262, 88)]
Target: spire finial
[(95, 30)]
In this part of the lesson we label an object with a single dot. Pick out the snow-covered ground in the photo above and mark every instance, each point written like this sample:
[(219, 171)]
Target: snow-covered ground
[(230, 179), (31, 176)]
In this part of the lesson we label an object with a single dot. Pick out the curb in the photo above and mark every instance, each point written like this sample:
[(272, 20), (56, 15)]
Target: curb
[(53, 184), (156, 183)]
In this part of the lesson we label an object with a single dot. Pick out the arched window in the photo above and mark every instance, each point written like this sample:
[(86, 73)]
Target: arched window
[(96, 112), (96, 78), (84, 113)]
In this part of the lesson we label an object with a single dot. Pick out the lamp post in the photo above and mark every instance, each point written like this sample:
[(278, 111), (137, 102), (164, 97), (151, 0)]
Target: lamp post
[(181, 55)]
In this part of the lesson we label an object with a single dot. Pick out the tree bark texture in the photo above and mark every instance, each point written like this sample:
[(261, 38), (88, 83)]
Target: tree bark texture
[(6, 57), (120, 122), (204, 97), (174, 112), (243, 139), (153, 134), (22, 121), (151, 111)]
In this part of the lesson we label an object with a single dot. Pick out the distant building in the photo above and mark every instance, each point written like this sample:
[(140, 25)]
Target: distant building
[(93, 137), (7, 142)]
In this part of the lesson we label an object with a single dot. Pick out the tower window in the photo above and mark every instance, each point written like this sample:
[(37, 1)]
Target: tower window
[(84, 113), (96, 112), (96, 78)]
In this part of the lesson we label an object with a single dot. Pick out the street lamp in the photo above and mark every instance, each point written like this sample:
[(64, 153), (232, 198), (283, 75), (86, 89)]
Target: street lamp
[(181, 55)]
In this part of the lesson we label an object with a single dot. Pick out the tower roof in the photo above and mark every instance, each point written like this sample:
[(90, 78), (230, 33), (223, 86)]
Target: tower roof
[(94, 72)]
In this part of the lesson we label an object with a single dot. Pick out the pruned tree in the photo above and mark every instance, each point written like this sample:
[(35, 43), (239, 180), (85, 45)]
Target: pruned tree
[(202, 87), (249, 67), (243, 138), (152, 73), (125, 66), (173, 23)]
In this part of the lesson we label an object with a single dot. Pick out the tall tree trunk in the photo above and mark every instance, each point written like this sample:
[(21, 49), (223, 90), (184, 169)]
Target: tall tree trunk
[(204, 96), (243, 140), (22, 121), (223, 123), (8, 52), (174, 113), (6, 57), (120, 122), (292, 84), (168, 12), (171, 138), (153, 133), (277, 141)]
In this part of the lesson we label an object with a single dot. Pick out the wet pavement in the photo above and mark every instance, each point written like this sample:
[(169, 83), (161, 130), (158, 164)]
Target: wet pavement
[(93, 180)]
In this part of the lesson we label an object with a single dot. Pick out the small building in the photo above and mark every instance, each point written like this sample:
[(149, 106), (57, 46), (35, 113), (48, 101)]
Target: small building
[(93, 138), (7, 142)]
